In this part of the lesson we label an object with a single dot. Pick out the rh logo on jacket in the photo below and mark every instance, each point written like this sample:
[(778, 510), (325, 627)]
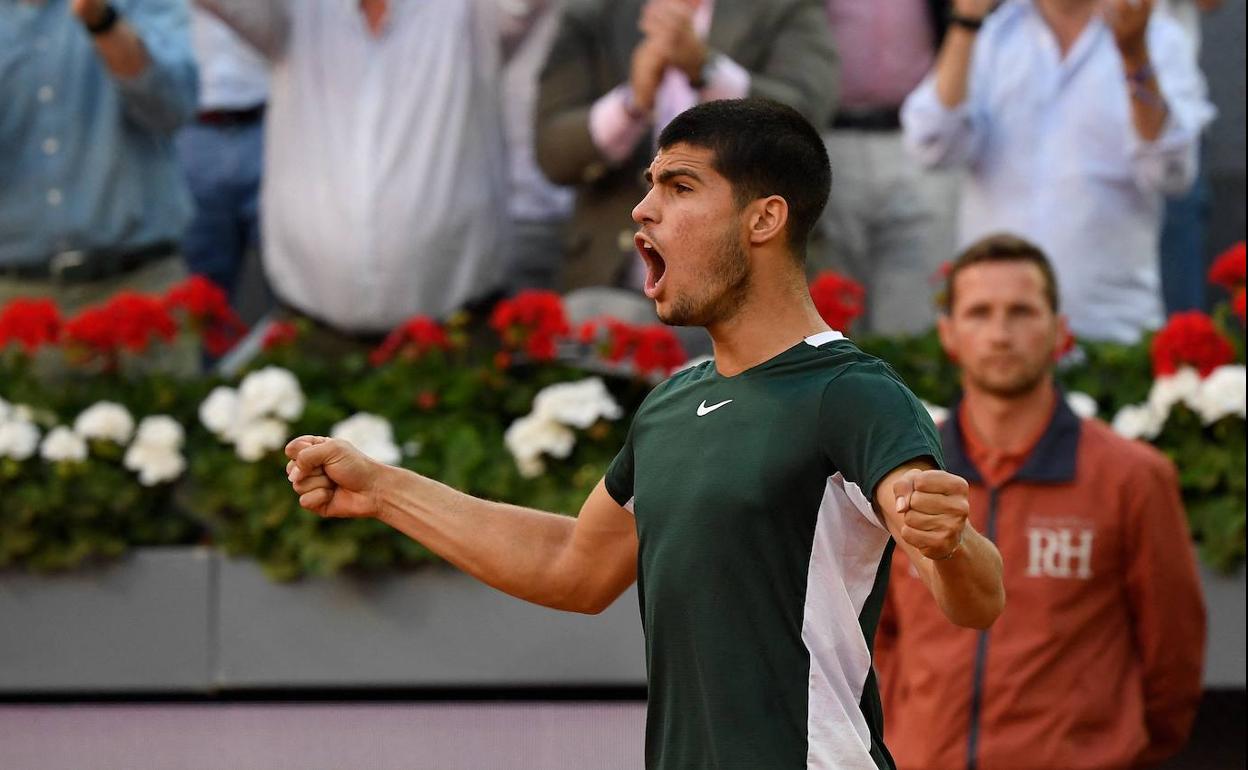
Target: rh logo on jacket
[(1060, 551)]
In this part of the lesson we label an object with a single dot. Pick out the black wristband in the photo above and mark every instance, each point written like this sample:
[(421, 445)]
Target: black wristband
[(966, 22), (106, 22)]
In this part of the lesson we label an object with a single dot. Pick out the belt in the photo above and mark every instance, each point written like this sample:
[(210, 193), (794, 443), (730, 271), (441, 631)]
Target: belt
[(882, 119), (231, 117), (88, 266)]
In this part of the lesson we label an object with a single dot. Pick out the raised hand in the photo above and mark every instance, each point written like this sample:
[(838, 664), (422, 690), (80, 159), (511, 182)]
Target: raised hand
[(669, 25), (1128, 20), (936, 506), (332, 478)]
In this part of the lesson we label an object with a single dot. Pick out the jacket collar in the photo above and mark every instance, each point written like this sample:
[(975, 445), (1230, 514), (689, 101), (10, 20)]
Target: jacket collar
[(1052, 460)]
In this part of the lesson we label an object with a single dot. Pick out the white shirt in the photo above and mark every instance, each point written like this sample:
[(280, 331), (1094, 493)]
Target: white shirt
[(1187, 15), (1053, 156), (232, 75), (385, 177)]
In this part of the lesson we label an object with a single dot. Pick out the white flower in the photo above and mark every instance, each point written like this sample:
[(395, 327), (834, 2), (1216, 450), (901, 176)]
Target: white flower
[(1082, 404), (5, 409), (270, 392), (155, 464), (1221, 394), (105, 420), (219, 412), (938, 413), (63, 445), (1139, 421), (576, 404), (532, 435), (1178, 388), (18, 439), (160, 431), (371, 434), (257, 438)]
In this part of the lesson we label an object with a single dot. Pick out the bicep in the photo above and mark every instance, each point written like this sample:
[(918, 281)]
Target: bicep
[(602, 554)]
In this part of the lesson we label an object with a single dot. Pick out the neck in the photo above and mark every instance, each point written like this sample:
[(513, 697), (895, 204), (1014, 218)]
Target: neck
[(777, 314), (1067, 19), (1008, 423)]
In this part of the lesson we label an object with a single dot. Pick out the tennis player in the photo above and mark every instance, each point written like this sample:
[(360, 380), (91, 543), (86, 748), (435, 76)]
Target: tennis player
[(757, 498)]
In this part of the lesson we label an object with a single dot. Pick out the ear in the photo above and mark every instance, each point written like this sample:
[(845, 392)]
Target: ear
[(1065, 339), (768, 217), (944, 329)]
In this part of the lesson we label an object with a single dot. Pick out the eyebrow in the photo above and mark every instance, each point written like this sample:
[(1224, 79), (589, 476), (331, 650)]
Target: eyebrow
[(669, 174)]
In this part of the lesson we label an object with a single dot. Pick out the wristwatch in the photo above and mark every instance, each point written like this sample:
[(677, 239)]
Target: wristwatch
[(704, 74), (108, 19)]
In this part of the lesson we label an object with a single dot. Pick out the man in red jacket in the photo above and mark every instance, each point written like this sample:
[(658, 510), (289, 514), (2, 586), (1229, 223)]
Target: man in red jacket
[(1096, 661)]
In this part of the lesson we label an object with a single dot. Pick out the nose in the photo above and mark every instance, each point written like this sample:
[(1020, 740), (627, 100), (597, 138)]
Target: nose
[(646, 212)]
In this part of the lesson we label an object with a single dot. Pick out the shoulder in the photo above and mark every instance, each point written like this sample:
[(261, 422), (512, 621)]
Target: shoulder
[(849, 370), (1135, 460)]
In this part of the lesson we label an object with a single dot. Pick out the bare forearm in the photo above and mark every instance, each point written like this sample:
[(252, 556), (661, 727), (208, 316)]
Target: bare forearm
[(1148, 105), (122, 51), (953, 66), (968, 585), (516, 550)]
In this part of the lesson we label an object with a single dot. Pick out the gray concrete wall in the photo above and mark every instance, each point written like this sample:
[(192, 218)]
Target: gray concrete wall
[(1222, 58)]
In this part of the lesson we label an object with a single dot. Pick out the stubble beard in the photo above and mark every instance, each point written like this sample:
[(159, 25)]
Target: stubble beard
[(723, 287)]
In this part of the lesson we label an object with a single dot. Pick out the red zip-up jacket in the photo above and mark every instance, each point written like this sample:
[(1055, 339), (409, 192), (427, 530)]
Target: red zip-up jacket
[(1096, 661)]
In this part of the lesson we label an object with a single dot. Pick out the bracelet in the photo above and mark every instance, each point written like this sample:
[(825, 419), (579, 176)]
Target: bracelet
[(631, 109), (956, 548), (106, 22), (1141, 74), (966, 22)]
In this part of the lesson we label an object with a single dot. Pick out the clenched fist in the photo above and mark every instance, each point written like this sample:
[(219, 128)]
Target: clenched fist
[(332, 478), (935, 505)]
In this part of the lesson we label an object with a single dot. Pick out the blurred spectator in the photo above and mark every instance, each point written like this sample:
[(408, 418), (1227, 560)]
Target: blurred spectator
[(385, 176), (885, 217), (1073, 122), (91, 197), (619, 70), (539, 209), (221, 152), (1096, 661), (1183, 229)]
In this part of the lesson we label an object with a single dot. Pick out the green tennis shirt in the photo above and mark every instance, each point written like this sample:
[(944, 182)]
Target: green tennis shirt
[(762, 564)]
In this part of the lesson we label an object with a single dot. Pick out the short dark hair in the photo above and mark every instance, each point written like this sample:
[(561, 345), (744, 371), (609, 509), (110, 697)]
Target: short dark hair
[(1002, 247), (762, 148)]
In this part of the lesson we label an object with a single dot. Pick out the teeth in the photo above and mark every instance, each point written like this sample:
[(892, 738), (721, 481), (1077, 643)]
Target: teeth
[(647, 244)]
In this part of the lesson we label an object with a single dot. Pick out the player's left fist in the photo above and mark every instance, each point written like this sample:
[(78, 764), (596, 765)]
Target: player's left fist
[(935, 505)]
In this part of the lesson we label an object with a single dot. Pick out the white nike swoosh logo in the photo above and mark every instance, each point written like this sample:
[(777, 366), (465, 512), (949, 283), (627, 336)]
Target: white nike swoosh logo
[(704, 410)]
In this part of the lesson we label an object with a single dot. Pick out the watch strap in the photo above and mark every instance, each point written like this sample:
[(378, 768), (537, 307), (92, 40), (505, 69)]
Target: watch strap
[(107, 21)]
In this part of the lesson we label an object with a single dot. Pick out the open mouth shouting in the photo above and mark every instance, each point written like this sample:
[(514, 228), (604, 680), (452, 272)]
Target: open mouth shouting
[(656, 267)]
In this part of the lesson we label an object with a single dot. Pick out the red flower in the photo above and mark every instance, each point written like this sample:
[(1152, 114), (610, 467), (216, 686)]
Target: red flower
[(658, 349), (31, 323), (412, 339), (533, 321), (1190, 339), (1237, 304), (1228, 269), (426, 399), (209, 312), (280, 334), (838, 299), (128, 321)]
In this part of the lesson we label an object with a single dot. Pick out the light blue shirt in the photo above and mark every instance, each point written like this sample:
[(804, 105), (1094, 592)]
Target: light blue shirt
[(86, 158), (1051, 154)]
